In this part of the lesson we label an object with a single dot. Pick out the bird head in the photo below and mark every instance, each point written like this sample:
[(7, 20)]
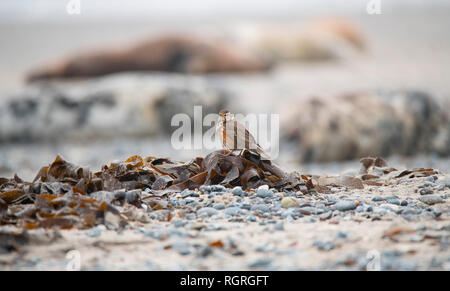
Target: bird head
[(225, 114)]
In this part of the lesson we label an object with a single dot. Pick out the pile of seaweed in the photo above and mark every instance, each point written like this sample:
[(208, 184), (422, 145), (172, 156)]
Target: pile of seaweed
[(66, 195)]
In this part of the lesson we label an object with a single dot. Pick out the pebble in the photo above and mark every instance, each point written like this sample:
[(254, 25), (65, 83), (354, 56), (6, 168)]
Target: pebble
[(237, 191), (431, 199), (426, 191), (96, 231), (393, 201), (186, 193), (260, 207), (218, 188), (219, 206), (260, 263), (342, 235), (207, 211), (378, 198), (205, 188), (288, 202), (324, 246), (232, 211), (264, 193), (444, 182), (279, 226), (246, 205), (440, 187), (344, 205), (189, 200), (288, 213)]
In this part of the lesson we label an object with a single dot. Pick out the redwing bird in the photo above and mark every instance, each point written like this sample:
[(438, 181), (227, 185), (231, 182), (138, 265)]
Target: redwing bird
[(235, 136)]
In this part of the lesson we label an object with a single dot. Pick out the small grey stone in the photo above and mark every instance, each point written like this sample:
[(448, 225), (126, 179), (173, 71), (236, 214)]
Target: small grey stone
[(96, 231), (178, 222), (260, 263), (426, 191), (324, 246), (378, 198), (437, 212), (342, 234), (205, 251), (426, 184), (205, 188), (189, 199), (260, 207), (393, 201), (219, 206), (445, 182), (431, 199), (207, 211), (288, 213), (191, 216), (264, 193), (232, 211), (404, 203), (246, 205), (237, 191), (218, 188), (279, 226), (440, 187), (186, 193), (237, 253), (344, 205)]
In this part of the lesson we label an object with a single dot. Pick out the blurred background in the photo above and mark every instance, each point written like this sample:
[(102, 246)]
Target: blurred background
[(103, 84)]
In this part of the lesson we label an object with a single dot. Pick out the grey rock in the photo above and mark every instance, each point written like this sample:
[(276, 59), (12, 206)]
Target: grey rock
[(324, 246), (218, 188), (96, 231), (431, 199), (246, 205), (189, 200), (205, 188), (264, 193), (426, 191), (279, 226), (344, 205), (393, 201), (260, 207), (445, 182), (219, 206), (378, 198), (237, 191), (232, 211), (440, 187), (288, 213), (342, 235), (260, 263), (207, 212)]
